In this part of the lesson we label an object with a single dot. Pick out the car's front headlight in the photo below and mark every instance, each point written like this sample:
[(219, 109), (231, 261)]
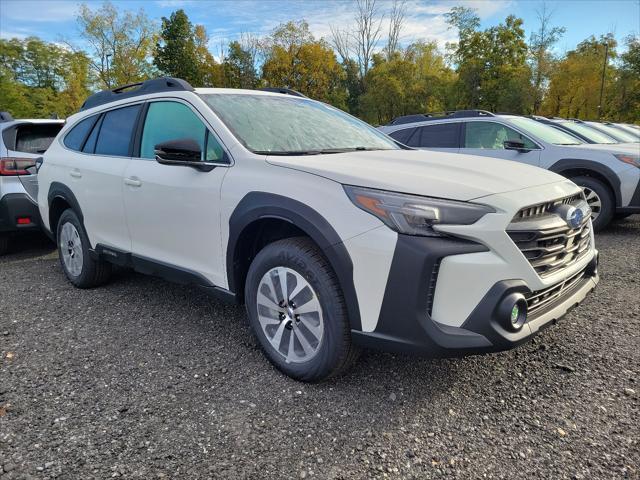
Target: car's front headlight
[(413, 214), (629, 158)]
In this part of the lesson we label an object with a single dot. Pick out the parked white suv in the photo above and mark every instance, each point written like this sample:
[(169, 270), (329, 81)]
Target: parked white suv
[(332, 235)]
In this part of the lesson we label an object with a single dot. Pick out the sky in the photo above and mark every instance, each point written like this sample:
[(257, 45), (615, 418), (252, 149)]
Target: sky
[(225, 20)]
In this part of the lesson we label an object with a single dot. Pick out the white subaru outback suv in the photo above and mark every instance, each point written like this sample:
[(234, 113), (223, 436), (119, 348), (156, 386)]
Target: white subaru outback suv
[(334, 236)]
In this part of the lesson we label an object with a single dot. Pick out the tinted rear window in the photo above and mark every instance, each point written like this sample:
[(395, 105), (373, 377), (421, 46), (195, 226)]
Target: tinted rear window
[(402, 136), (36, 138), (444, 135), (76, 136), (116, 131)]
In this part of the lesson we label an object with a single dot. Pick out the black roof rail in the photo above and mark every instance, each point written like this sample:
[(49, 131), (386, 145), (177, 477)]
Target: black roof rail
[(423, 117), (285, 91), (156, 85), (5, 117), (419, 117)]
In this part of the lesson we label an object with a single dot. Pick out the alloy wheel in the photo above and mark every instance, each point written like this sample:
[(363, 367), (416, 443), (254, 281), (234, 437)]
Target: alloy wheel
[(71, 249), (594, 202), (290, 314)]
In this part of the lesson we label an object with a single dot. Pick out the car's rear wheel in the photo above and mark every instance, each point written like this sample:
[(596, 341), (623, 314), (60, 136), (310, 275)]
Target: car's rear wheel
[(297, 311), (4, 243), (73, 249), (600, 200)]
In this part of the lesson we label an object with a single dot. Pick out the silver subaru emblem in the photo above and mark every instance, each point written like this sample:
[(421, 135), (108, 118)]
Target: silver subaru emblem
[(574, 215)]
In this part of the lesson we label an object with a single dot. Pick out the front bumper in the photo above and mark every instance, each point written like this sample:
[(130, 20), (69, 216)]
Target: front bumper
[(406, 324), (18, 205)]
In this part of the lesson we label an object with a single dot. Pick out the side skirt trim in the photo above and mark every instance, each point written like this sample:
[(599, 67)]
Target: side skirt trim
[(162, 270)]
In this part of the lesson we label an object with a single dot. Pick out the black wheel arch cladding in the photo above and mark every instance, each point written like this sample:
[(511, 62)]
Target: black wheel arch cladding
[(61, 191), (262, 205), (571, 164)]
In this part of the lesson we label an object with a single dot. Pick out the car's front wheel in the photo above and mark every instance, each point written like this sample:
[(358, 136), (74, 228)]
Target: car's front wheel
[(73, 250), (297, 311), (600, 200)]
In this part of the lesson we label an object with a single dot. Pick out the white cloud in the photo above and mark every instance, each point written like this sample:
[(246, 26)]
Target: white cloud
[(39, 10)]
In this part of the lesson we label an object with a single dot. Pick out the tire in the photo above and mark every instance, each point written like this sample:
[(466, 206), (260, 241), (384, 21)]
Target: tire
[(600, 199), (73, 250), (4, 244), (319, 318)]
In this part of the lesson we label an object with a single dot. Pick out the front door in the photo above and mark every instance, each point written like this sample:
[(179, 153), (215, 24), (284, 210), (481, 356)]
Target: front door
[(173, 211), (487, 138)]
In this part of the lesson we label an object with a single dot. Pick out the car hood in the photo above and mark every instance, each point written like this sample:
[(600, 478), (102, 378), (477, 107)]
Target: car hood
[(612, 147), (434, 174)]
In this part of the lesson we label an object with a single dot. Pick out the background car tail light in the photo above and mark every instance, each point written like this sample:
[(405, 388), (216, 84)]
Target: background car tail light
[(10, 166)]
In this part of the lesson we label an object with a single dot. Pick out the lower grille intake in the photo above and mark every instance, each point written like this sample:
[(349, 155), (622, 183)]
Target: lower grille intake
[(537, 301)]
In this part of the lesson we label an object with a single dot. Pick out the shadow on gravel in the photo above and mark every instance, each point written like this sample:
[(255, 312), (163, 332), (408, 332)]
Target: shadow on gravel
[(28, 245)]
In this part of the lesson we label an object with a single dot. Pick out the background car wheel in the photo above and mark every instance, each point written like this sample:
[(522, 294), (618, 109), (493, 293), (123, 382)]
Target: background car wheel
[(297, 311), (73, 250), (4, 244), (600, 199)]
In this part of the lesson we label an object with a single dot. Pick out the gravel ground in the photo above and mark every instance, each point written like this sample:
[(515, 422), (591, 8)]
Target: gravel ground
[(145, 379)]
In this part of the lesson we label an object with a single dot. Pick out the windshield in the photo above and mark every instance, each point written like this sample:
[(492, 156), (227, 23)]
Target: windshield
[(628, 129), (614, 132), (546, 133), (281, 125), (592, 134)]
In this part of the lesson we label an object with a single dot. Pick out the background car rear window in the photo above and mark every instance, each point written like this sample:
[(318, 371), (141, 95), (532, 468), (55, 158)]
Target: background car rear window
[(444, 135), (76, 136), (403, 135), (116, 130)]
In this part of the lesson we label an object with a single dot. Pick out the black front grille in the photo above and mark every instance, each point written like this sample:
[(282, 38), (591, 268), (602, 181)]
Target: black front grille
[(539, 301)]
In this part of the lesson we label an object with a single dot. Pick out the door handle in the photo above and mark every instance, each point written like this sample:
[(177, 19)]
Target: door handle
[(132, 182), (75, 173)]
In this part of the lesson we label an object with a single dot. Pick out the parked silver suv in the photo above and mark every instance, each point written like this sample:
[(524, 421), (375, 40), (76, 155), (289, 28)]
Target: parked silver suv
[(21, 143), (608, 174)]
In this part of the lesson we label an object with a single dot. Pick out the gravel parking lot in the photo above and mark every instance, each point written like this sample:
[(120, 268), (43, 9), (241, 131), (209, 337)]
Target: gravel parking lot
[(145, 379)]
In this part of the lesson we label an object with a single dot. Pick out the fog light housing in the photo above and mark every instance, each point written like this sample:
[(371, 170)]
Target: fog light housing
[(513, 312)]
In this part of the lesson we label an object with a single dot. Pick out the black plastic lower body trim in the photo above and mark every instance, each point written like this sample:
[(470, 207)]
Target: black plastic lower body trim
[(405, 325), (162, 270), (18, 205)]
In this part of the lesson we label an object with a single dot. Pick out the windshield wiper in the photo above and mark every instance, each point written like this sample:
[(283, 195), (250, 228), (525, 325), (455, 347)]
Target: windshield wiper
[(321, 151)]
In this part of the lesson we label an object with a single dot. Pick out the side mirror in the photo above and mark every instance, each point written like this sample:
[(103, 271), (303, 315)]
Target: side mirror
[(515, 145), (183, 152)]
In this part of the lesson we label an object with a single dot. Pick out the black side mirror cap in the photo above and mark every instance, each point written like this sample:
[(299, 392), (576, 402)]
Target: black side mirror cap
[(515, 145), (182, 152)]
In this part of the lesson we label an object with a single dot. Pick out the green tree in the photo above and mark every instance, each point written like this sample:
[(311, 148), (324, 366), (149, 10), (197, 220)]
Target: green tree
[(541, 57), (175, 53), (491, 64), (121, 44), (38, 79), (295, 59), (623, 100), (239, 68), (574, 86)]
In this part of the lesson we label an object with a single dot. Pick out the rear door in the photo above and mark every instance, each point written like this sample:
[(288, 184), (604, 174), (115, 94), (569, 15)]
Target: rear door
[(95, 173), (487, 138)]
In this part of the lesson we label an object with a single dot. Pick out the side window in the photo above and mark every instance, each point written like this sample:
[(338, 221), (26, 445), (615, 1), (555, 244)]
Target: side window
[(167, 121), (90, 144), (491, 136), (444, 135), (76, 136), (403, 135), (116, 131)]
